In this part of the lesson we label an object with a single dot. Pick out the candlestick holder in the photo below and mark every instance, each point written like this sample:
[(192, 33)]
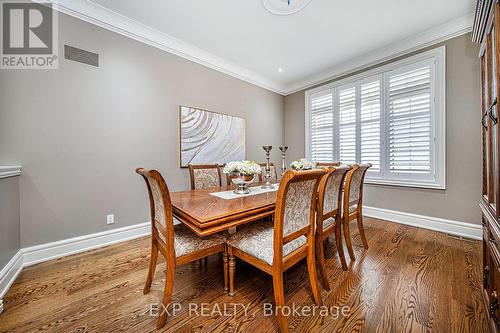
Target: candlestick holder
[(283, 159), (267, 174)]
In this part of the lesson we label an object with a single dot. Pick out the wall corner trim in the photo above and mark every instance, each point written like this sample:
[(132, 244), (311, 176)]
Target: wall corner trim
[(99, 15), (456, 228), (10, 171), (9, 273), (397, 49)]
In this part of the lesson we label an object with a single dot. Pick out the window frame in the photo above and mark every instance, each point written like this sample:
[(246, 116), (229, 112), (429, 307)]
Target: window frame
[(437, 58)]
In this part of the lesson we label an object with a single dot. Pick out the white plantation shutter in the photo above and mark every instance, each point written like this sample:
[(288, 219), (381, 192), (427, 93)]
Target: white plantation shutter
[(370, 123), (347, 125), (410, 121), (393, 118), (321, 126)]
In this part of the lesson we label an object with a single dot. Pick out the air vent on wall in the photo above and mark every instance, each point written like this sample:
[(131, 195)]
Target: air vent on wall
[(79, 55)]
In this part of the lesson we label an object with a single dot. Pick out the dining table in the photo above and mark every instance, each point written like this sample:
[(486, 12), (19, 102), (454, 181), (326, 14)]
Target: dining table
[(206, 214)]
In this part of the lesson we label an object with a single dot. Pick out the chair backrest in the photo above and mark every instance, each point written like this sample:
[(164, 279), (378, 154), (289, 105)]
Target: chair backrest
[(330, 193), (204, 176), (327, 164), (162, 221), (295, 207), (353, 191), (274, 174)]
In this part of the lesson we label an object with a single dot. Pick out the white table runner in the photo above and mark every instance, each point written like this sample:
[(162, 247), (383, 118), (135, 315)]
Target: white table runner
[(253, 191)]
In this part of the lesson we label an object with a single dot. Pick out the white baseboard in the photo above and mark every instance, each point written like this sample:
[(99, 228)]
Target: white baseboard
[(44, 252), (457, 228), (40, 253), (9, 273)]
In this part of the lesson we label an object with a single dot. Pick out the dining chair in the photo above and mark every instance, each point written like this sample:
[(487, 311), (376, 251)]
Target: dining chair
[(176, 243), (353, 204), (327, 164), (275, 247), (204, 176), (329, 217), (273, 173)]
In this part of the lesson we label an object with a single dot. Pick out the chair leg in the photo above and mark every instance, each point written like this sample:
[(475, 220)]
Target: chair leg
[(279, 300), (152, 267), (361, 229), (347, 237), (167, 294), (232, 267), (225, 262), (340, 247), (320, 253), (313, 277)]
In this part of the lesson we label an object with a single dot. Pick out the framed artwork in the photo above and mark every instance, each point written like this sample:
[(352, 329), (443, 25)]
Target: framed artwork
[(210, 137)]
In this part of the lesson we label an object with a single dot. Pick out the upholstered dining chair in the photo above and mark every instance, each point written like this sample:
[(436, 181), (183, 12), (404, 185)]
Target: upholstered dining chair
[(329, 217), (274, 174), (327, 164), (204, 176), (353, 204), (176, 243), (276, 247)]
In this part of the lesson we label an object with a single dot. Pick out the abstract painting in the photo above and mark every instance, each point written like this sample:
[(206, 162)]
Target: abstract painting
[(209, 137)]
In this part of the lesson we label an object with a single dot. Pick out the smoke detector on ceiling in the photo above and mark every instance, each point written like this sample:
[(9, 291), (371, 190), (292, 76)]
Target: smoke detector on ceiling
[(285, 7)]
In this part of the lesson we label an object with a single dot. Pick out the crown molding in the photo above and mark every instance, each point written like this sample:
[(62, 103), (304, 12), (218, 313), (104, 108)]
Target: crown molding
[(417, 42), (10, 171), (91, 12)]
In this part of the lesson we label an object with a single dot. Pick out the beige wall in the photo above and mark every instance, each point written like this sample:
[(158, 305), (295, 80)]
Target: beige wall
[(79, 131), (463, 144), (10, 228)]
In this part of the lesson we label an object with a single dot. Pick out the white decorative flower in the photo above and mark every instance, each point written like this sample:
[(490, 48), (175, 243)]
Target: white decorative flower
[(244, 167), (231, 167), (302, 164)]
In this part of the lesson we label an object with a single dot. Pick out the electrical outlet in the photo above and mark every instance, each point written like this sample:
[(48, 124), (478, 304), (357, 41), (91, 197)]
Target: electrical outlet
[(110, 219)]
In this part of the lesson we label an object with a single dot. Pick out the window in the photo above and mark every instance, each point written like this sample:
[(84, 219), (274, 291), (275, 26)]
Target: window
[(391, 117), (321, 126)]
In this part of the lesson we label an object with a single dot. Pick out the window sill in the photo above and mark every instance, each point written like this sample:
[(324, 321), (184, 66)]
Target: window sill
[(401, 183)]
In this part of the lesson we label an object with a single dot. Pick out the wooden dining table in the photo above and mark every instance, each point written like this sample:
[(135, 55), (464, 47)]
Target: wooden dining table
[(206, 214)]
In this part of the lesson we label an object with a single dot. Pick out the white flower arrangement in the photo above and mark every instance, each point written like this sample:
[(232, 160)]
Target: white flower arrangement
[(302, 164), (243, 167), (231, 167)]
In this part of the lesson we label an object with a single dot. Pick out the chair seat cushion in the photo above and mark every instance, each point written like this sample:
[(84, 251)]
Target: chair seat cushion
[(328, 222), (353, 208), (186, 241), (256, 239)]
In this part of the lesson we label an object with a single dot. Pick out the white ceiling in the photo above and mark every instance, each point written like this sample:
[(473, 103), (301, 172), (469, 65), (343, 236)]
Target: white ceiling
[(321, 41)]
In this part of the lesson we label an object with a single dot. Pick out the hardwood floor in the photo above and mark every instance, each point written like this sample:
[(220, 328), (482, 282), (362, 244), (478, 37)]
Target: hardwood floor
[(409, 280)]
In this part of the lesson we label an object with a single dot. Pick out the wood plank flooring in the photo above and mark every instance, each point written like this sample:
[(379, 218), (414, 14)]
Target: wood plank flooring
[(409, 280)]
